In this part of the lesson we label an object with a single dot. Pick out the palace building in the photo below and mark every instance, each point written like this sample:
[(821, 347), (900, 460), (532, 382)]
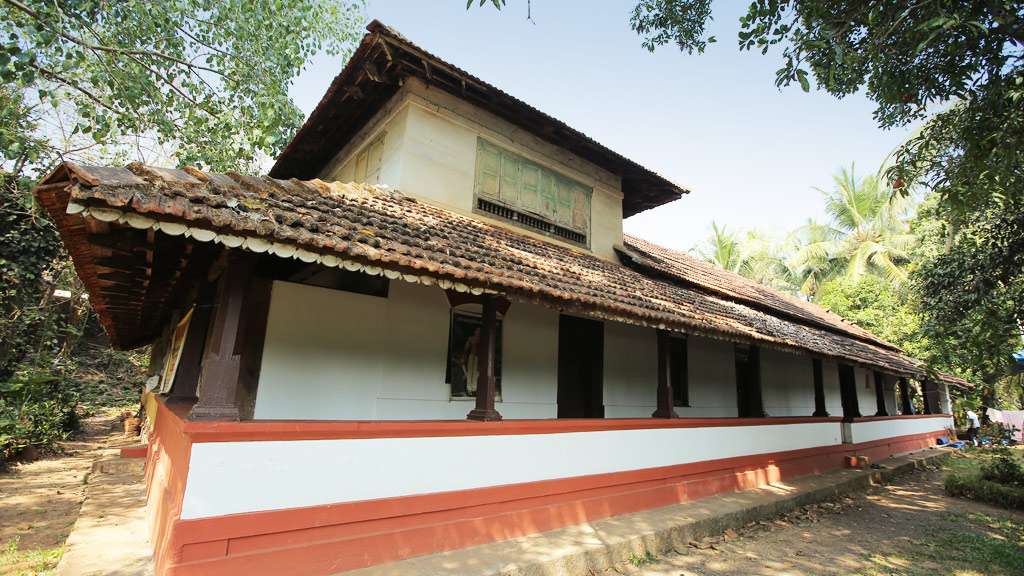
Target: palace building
[(425, 330)]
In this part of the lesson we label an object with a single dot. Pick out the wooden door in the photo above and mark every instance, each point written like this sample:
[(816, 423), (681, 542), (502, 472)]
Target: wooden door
[(580, 368)]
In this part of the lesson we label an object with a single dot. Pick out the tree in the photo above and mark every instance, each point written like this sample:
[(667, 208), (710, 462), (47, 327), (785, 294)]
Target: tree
[(722, 249), (956, 64), (971, 285), (870, 233), (209, 76)]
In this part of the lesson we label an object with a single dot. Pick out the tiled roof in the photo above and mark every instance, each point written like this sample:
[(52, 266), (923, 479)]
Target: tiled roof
[(381, 229), (704, 275)]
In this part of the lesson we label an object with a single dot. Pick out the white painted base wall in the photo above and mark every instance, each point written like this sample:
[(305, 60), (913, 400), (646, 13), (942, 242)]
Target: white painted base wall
[(237, 477), (879, 429)]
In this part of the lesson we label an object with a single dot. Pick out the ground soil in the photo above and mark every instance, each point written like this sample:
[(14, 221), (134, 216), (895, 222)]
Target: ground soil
[(40, 501), (910, 527)]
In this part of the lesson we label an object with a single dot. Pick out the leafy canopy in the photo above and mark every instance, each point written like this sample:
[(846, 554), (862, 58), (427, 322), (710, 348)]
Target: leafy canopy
[(210, 76), (957, 65)]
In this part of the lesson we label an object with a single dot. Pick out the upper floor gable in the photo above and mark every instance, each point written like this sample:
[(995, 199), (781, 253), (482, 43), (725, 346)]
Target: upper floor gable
[(400, 116)]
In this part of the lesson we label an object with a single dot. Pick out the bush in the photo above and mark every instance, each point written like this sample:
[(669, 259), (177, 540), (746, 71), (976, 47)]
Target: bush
[(36, 409), (982, 490), (1003, 469)]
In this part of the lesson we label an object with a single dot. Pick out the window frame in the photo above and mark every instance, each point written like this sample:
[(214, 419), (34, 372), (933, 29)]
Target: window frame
[(498, 353)]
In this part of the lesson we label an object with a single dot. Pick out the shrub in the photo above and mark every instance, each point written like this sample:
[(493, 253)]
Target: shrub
[(983, 490), (1003, 469), (37, 408)]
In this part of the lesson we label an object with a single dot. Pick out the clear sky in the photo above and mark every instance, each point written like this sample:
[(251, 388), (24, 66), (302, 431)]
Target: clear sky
[(715, 123)]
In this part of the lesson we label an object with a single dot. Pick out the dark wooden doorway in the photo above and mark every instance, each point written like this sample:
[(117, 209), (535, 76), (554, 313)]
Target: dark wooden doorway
[(848, 391), (580, 368), (748, 382)]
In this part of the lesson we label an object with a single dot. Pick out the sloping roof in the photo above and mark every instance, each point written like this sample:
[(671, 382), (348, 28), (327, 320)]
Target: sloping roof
[(703, 275), (375, 72), (381, 231)]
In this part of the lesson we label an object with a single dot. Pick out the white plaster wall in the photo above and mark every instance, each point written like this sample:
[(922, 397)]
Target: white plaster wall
[(630, 371), (891, 395), (787, 383), (237, 477), (712, 366), (331, 354), (879, 429), (833, 396), (631, 374), (432, 143), (865, 391)]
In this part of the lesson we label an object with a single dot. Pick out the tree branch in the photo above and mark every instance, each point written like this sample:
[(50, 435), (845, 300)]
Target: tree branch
[(101, 48)]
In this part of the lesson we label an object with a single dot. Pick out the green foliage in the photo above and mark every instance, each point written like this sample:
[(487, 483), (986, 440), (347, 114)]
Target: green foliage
[(957, 66), (987, 475), (987, 491), (36, 409), (209, 76), (881, 307), (29, 248), (1004, 469)]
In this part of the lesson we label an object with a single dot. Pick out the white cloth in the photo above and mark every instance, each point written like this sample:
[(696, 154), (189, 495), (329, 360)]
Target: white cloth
[(1009, 418)]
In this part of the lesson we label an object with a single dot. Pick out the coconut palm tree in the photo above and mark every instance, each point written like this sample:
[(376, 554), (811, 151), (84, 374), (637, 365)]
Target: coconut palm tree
[(870, 226), (721, 249)]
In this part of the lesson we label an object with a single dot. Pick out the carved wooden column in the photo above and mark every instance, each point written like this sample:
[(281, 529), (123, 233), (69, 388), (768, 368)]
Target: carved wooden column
[(906, 406), (186, 378), (880, 409), (234, 343), (819, 389), (486, 387), (664, 394)]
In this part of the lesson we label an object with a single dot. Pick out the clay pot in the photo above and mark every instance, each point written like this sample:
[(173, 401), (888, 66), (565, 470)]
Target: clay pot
[(132, 426)]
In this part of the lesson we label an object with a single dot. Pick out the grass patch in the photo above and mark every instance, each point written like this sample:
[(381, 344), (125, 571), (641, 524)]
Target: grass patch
[(638, 560), (959, 545), (993, 476), (17, 562)]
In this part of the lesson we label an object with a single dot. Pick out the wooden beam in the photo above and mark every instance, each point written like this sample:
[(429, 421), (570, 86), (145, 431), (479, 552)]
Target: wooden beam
[(486, 387)]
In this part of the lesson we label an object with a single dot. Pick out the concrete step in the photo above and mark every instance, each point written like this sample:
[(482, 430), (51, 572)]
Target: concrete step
[(587, 548)]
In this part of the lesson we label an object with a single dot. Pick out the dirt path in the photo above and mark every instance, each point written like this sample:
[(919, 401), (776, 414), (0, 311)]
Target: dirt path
[(39, 501), (907, 528)]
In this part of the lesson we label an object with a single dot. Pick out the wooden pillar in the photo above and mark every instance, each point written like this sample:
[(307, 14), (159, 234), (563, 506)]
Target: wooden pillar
[(931, 400), (234, 343), (880, 409), (848, 391), (186, 378), (819, 389), (486, 387), (906, 406), (666, 402)]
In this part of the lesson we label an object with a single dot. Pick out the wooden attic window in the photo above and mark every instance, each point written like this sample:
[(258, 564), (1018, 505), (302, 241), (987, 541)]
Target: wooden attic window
[(519, 190), (370, 160)]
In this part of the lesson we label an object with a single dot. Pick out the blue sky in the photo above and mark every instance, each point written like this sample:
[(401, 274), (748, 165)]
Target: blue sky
[(715, 123)]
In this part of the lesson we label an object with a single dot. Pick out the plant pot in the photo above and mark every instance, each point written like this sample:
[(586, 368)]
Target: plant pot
[(132, 426)]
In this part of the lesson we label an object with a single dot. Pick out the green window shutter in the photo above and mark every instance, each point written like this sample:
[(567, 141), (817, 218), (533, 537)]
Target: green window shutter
[(581, 208), (566, 195), (548, 193), (529, 190), (508, 190), (509, 181), (488, 162)]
